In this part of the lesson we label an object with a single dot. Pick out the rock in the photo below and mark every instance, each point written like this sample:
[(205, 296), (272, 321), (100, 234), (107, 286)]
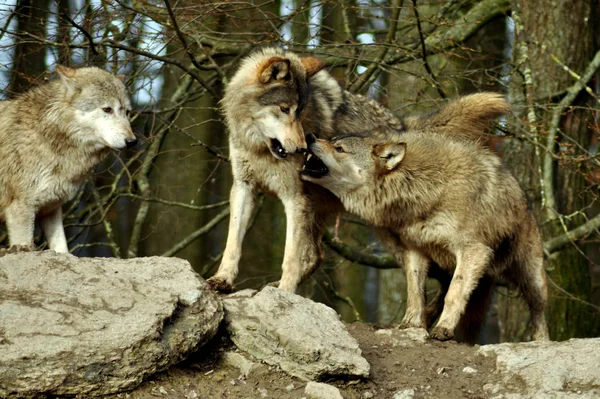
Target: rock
[(239, 361), (304, 338), (93, 326), (404, 394), (407, 337), (547, 369), (469, 370), (319, 390)]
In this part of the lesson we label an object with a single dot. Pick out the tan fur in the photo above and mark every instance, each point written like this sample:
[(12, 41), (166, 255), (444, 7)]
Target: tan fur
[(445, 200), (46, 153), (467, 117), (254, 118), (249, 111)]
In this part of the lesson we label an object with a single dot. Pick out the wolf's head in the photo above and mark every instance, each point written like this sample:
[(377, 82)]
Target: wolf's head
[(349, 162), (100, 107), (265, 99)]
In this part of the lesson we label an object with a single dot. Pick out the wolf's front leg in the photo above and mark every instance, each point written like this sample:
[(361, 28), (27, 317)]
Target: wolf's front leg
[(302, 253), (52, 225), (471, 264), (20, 219), (241, 205), (416, 266)]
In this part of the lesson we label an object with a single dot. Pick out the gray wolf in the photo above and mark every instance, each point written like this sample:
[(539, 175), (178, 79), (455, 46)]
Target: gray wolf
[(273, 100), (51, 137), (270, 103), (443, 199)]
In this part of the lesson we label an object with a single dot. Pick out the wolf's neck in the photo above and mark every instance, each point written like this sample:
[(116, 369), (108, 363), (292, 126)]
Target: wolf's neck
[(389, 203)]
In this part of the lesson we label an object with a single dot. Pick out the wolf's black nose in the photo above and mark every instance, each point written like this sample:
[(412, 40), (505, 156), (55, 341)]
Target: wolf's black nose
[(310, 138), (130, 142)]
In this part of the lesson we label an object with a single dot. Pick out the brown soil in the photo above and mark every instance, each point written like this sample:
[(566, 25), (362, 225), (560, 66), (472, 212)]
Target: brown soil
[(433, 370)]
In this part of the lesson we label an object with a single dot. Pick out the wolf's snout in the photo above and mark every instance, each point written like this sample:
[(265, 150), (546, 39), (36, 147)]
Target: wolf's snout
[(131, 142)]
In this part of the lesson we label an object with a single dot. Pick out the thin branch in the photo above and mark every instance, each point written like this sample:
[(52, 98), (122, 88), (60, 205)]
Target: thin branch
[(189, 52), (557, 243), (80, 28), (424, 52), (567, 100), (7, 24), (143, 177), (477, 17), (377, 261), (198, 233), (571, 296), (545, 175), (358, 85), (175, 203), (346, 299)]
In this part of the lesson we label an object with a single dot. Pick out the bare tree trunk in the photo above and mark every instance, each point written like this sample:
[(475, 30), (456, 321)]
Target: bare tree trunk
[(556, 188), (30, 55)]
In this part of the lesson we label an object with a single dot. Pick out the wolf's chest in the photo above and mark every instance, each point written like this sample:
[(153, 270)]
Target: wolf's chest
[(52, 186)]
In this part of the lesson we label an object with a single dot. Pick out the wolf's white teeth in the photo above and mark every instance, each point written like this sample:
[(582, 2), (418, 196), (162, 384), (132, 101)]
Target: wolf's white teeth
[(303, 167), (309, 157)]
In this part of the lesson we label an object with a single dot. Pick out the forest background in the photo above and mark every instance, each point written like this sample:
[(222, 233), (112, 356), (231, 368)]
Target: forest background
[(169, 196)]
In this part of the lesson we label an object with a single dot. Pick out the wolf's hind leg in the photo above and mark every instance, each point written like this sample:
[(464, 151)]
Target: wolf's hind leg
[(241, 204), (52, 225), (20, 219), (534, 288), (471, 264)]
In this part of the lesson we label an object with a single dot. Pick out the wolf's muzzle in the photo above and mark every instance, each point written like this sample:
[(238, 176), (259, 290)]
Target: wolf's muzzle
[(313, 166), (277, 149), (130, 142)]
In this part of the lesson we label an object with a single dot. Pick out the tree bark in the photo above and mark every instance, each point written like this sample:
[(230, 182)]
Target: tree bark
[(538, 46), (30, 55)]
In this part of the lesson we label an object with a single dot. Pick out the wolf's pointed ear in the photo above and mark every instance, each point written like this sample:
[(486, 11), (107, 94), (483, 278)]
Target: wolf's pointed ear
[(66, 72), (274, 68), (312, 65), (390, 155)]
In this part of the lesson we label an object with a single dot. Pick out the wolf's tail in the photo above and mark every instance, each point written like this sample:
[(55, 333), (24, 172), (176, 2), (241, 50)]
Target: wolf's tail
[(467, 117)]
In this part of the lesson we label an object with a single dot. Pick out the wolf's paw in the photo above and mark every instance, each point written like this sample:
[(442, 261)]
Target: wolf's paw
[(13, 249), (441, 334), (220, 284), (411, 321), (408, 324)]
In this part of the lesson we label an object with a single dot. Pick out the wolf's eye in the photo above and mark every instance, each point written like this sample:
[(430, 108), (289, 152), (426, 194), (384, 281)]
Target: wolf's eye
[(285, 110), (108, 110), (340, 149)]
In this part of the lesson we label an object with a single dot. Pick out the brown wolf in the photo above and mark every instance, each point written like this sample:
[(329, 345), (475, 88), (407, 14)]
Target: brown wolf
[(441, 199), (51, 137)]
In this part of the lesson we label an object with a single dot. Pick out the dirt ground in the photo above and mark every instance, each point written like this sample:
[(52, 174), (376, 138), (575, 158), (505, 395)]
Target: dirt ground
[(432, 369)]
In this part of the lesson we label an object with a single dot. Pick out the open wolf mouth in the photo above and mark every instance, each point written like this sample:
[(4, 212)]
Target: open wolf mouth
[(314, 167), (277, 149)]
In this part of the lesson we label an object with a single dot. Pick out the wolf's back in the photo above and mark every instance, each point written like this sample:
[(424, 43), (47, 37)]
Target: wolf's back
[(467, 117)]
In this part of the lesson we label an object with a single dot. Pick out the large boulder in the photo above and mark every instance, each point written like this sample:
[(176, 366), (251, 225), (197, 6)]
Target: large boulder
[(92, 326), (306, 339), (569, 369)]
